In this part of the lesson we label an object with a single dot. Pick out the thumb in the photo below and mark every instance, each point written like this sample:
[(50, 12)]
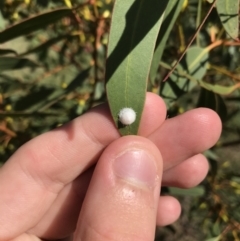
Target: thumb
[(122, 199)]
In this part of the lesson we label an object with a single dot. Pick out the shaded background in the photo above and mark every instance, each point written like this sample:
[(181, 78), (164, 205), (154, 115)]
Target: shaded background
[(56, 73)]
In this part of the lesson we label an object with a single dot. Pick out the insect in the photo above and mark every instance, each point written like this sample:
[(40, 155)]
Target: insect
[(127, 116)]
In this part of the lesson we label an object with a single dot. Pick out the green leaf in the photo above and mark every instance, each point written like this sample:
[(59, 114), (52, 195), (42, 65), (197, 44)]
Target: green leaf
[(46, 45), (215, 239), (218, 89), (33, 23), (228, 13), (194, 64), (196, 61), (134, 29), (210, 154), (11, 63), (172, 11), (216, 229), (193, 192)]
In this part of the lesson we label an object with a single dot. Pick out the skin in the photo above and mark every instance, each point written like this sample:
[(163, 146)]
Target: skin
[(83, 181)]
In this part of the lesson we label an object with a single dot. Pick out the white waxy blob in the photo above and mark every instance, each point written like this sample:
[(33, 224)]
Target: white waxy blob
[(127, 116)]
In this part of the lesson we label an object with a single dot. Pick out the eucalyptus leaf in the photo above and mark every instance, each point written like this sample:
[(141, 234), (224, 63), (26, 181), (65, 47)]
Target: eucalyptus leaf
[(46, 45), (219, 89), (216, 88), (134, 30), (194, 64), (193, 192), (172, 11), (33, 23), (218, 238), (228, 12), (11, 63)]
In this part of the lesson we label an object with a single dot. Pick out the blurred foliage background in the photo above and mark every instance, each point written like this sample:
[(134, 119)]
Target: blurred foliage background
[(52, 70)]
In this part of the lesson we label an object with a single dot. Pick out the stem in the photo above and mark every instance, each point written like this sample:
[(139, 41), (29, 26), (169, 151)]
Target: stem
[(198, 19)]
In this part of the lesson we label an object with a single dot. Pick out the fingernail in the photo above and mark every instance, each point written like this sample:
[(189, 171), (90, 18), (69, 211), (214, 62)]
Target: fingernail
[(136, 166)]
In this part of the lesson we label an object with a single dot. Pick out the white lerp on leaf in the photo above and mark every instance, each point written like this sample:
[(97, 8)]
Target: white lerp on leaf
[(127, 116)]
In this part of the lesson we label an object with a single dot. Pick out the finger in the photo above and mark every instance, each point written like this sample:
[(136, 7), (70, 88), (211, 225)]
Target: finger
[(176, 155), (153, 116), (187, 135), (41, 168), (60, 221), (122, 199), (26, 237), (169, 210), (188, 173)]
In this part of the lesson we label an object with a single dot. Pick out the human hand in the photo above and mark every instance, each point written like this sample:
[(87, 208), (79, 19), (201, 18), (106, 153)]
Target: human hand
[(45, 184)]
